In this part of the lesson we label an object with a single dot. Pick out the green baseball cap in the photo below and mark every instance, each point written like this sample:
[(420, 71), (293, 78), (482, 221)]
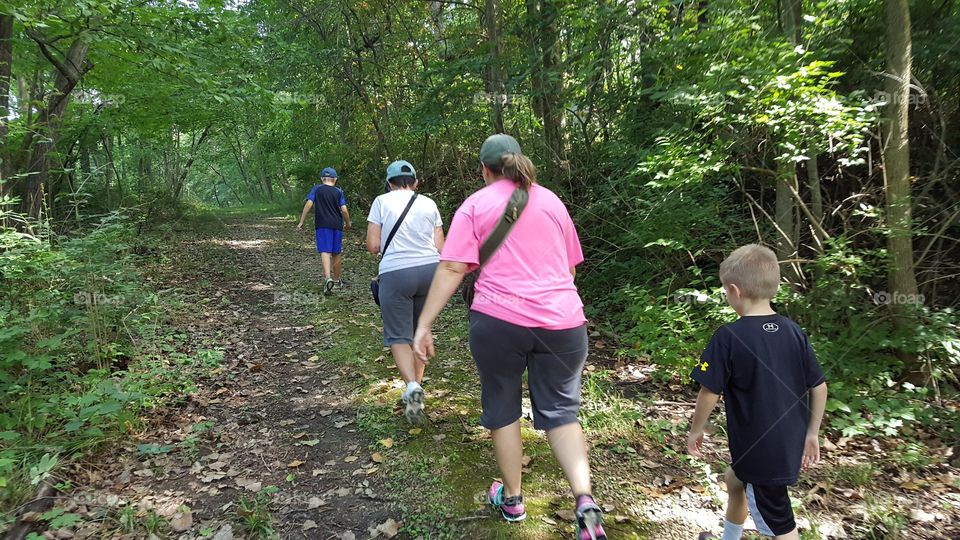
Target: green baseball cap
[(496, 146)]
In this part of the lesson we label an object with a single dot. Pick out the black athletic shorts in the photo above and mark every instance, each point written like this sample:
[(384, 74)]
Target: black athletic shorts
[(554, 359), (770, 508)]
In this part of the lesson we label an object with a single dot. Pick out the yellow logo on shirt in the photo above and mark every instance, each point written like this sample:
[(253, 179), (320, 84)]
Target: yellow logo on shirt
[(704, 366)]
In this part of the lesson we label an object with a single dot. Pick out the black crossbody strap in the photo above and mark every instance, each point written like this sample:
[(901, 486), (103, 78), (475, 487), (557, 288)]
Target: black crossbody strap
[(516, 204), (393, 232)]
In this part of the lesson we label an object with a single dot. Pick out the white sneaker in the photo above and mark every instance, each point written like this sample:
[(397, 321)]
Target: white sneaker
[(413, 397)]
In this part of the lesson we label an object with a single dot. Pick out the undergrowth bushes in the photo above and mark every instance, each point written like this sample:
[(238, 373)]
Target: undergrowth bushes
[(82, 350)]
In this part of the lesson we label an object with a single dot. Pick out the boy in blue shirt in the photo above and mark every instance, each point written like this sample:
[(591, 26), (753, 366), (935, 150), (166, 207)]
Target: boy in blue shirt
[(330, 219), (765, 368)]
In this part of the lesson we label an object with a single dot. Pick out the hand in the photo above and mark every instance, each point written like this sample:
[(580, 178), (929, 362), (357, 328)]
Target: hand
[(346, 226), (423, 344), (695, 443), (300, 226), (811, 451)]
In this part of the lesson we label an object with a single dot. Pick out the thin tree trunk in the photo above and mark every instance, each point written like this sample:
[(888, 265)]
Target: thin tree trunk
[(6, 66), (494, 79), (552, 87), (813, 183), (896, 173), (786, 214)]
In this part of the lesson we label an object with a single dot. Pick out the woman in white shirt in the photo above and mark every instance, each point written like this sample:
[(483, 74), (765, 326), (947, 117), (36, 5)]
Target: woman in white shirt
[(407, 265)]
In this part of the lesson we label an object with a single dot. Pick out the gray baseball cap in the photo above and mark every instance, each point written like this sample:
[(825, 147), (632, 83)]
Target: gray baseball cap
[(400, 168), (496, 146)]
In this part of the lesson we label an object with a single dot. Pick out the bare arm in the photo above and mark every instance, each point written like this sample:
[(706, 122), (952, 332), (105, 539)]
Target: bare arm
[(445, 282), (811, 447), (573, 271), (373, 238), (346, 217), (706, 401), (306, 210), (438, 238)]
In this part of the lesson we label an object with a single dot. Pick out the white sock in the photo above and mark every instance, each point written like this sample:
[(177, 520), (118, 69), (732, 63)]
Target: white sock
[(731, 531), (411, 386)]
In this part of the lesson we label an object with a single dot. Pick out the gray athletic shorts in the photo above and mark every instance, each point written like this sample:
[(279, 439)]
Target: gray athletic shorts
[(402, 294), (554, 358)]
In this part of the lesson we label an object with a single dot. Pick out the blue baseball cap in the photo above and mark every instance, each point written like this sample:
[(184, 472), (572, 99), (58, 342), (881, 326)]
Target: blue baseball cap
[(400, 168), (328, 172)]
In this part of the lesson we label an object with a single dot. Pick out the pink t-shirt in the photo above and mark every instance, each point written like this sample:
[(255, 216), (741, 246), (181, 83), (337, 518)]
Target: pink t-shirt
[(527, 281)]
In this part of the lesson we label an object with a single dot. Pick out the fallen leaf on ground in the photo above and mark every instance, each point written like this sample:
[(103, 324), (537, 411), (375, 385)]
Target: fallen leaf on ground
[(389, 528), (315, 502), (295, 463), (309, 524), (313, 358), (181, 521), (350, 459), (415, 431), (387, 443), (312, 442), (377, 457)]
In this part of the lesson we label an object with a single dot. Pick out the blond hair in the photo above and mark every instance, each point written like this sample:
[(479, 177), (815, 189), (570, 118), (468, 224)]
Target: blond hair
[(754, 270), (516, 167)]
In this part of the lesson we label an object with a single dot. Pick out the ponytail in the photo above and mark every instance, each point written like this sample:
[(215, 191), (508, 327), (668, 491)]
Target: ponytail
[(519, 168)]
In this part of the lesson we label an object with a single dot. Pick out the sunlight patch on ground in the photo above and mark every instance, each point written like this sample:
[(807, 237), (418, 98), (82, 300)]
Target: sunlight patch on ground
[(244, 244)]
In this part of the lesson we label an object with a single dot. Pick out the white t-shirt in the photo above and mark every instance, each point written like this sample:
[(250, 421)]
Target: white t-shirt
[(413, 245)]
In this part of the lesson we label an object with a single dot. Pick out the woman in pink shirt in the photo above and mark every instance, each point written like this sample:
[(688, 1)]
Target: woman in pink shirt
[(526, 316)]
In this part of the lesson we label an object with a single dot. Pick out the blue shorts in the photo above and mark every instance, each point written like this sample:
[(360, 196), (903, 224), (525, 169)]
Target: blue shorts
[(329, 241)]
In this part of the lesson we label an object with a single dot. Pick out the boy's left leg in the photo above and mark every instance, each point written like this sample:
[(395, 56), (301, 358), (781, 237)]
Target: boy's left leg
[(335, 259), (326, 263), (771, 511)]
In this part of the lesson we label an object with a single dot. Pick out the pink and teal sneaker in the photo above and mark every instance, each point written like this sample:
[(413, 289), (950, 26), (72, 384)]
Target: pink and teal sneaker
[(511, 508), (589, 519)]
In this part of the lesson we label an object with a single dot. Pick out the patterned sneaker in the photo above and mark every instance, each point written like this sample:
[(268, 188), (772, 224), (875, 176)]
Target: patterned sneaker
[(589, 519), (511, 508), (328, 286), (414, 405)]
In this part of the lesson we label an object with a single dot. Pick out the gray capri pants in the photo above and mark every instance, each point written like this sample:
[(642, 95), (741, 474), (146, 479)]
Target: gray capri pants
[(402, 295), (555, 358)]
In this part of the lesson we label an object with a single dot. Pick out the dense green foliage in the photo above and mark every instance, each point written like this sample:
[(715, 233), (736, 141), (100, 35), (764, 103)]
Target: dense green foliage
[(666, 126)]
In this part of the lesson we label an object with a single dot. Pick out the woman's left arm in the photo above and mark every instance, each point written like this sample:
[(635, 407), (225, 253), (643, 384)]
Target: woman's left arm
[(445, 282)]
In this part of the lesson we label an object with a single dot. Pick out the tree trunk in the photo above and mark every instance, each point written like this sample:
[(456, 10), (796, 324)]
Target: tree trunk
[(896, 173), (813, 183), (41, 140), (552, 88), (785, 218), (6, 66), (493, 81), (785, 214)]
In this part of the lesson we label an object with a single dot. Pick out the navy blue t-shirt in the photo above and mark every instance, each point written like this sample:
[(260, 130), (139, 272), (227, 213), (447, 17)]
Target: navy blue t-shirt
[(327, 201), (764, 366)]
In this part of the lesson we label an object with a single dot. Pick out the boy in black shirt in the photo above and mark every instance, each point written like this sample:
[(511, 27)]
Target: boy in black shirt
[(764, 366)]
